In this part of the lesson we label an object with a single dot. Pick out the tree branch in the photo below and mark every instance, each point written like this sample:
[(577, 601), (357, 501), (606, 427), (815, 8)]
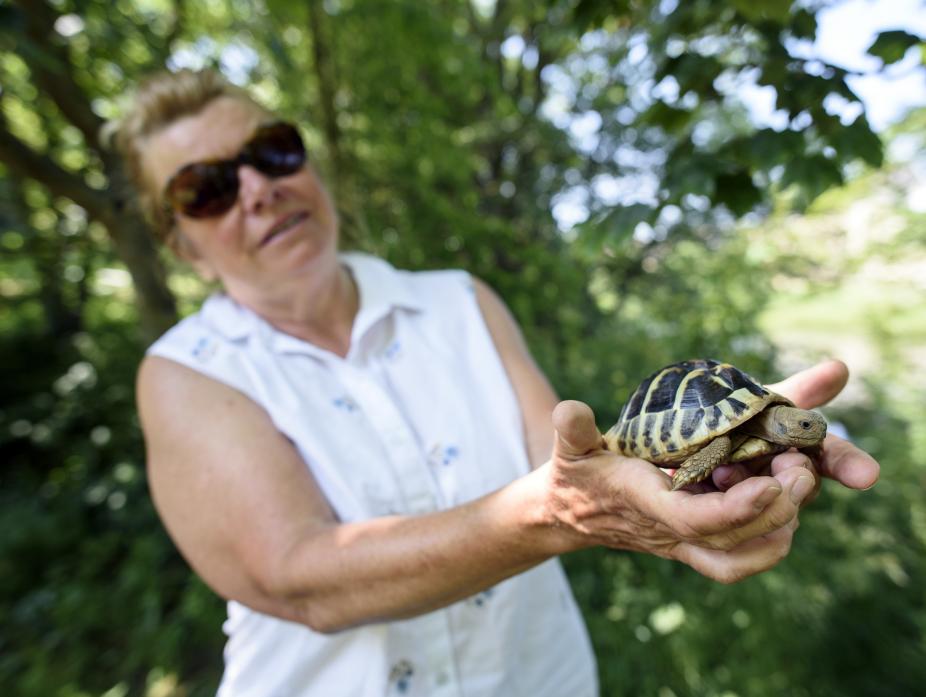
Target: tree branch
[(54, 75), (26, 162), (126, 228)]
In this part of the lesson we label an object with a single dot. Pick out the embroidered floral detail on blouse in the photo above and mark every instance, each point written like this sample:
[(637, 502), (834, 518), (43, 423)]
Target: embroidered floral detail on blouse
[(346, 403), (451, 453), (204, 349), (444, 454), (482, 598), (401, 675), (393, 351)]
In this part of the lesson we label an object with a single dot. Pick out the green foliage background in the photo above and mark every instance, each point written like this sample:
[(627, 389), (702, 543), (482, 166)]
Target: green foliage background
[(448, 132)]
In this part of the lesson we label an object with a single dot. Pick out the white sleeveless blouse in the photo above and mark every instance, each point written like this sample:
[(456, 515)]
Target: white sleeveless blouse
[(419, 416)]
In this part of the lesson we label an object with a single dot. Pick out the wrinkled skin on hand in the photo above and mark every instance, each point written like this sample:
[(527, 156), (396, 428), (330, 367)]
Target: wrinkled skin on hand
[(737, 524)]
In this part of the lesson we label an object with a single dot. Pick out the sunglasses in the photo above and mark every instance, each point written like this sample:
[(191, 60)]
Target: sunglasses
[(210, 188)]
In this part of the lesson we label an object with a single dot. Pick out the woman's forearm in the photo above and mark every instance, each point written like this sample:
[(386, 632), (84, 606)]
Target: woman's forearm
[(401, 566)]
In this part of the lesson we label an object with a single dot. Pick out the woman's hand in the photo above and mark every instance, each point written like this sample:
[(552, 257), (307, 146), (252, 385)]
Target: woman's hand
[(598, 497)]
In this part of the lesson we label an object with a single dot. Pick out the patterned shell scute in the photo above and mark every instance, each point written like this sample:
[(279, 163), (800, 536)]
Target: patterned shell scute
[(679, 409)]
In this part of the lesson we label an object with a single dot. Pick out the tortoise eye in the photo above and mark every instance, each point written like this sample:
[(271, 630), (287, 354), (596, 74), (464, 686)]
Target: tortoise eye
[(805, 424)]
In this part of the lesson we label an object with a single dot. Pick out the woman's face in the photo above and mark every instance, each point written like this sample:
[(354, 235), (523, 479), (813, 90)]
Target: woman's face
[(277, 228)]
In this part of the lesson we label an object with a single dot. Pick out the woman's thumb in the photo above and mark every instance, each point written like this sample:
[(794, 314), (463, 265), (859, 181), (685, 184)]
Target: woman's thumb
[(576, 432)]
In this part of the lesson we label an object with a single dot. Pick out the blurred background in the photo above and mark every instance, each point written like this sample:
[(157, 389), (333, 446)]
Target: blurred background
[(641, 181)]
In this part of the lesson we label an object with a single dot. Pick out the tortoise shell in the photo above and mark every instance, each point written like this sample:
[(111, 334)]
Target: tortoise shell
[(679, 409)]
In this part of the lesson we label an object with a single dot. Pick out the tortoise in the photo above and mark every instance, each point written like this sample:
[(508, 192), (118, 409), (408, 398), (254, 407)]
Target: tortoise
[(698, 414)]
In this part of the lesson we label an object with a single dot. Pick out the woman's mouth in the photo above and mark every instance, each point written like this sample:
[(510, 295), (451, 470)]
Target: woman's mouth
[(284, 225)]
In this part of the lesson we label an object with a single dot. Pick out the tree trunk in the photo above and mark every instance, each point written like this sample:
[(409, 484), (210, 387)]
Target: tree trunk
[(353, 221), (50, 65)]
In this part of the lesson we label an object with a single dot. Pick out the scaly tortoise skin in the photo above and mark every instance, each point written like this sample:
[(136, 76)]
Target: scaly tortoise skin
[(698, 414)]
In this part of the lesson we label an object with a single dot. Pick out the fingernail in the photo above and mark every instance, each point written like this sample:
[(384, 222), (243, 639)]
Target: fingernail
[(802, 487), (767, 497)]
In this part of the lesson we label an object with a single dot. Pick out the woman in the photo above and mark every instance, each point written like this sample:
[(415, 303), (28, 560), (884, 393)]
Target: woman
[(361, 459)]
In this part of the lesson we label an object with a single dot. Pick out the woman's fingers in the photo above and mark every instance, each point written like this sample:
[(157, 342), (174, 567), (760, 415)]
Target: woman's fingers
[(847, 464), (750, 558), (752, 508), (814, 386)]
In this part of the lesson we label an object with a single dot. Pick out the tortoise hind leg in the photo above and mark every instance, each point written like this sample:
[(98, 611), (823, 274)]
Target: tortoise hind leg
[(702, 463)]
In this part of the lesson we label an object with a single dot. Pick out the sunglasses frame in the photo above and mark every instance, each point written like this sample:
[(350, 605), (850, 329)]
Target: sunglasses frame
[(222, 174)]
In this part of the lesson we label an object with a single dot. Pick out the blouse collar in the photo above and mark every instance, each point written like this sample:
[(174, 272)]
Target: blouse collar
[(381, 288)]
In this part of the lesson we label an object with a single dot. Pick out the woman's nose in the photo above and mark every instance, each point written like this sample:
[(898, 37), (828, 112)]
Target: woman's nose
[(255, 189)]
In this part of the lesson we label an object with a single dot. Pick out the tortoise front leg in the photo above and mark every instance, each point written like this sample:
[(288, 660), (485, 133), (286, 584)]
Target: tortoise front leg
[(702, 463)]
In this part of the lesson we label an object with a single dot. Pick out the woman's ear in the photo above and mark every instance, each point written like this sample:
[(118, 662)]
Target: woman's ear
[(183, 247)]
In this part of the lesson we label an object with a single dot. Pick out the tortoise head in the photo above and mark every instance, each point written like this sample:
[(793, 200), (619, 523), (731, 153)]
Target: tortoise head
[(792, 426)]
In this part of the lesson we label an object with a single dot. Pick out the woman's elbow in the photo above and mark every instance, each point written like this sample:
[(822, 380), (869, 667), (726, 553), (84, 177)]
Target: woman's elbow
[(310, 608)]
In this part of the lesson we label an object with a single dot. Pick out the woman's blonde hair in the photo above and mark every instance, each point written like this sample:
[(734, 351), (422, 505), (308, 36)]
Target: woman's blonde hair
[(158, 102)]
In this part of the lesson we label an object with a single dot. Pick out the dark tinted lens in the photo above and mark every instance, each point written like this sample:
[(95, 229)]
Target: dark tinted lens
[(276, 150), (204, 189)]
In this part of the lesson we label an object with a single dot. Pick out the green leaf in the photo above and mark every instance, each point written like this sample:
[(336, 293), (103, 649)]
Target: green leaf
[(280, 52), (858, 141), (737, 191), (804, 25), (691, 173), (667, 117), (767, 147), (591, 14), (812, 176), (759, 10), (291, 12), (615, 228), (693, 72), (623, 219), (892, 46)]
